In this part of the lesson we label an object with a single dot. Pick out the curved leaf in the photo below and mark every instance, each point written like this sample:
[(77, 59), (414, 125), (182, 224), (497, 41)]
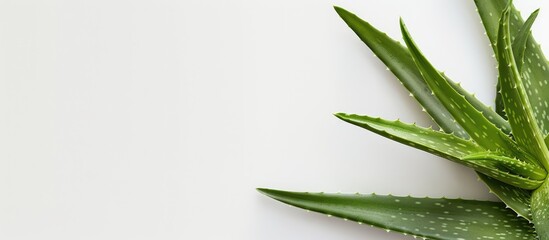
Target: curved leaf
[(444, 219), (535, 69), (391, 52), (519, 44), (488, 112), (485, 133), (441, 144), (436, 142), (540, 211), (398, 60), (517, 105), (514, 165), (515, 198)]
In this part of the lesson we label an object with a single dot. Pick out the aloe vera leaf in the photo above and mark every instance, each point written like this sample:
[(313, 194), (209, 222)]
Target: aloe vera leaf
[(515, 198), (490, 13), (514, 165), (399, 61), (390, 51), (540, 210), (485, 133), (496, 171), (517, 106), (535, 67), (500, 109), (429, 218), (521, 39), (488, 113), (441, 144)]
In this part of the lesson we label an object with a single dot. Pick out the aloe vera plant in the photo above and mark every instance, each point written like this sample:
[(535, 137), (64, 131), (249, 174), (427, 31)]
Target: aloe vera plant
[(507, 147)]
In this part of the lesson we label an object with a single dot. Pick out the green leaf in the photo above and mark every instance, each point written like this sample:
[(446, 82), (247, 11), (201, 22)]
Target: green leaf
[(485, 133), (500, 109), (517, 106), (441, 144), (516, 166), (399, 61), (540, 211), (445, 219), (535, 69), (495, 170), (519, 44), (436, 142), (490, 12), (488, 113), (515, 198), (397, 58)]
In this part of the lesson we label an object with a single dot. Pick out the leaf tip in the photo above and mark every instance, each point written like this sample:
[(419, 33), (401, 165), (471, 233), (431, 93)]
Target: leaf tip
[(342, 12), (266, 191), (342, 116)]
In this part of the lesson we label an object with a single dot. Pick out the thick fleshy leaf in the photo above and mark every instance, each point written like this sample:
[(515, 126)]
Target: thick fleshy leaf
[(398, 60), (490, 12), (441, 144), (391, 52), (445, 219), (540, 211), (514, 165), (535, 69), (517, 106), (515, 198), (496, 171), (521, 39), (488, 112), (485, 133)]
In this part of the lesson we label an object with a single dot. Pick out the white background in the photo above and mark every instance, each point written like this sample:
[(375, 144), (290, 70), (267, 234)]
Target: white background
[(157, 119)]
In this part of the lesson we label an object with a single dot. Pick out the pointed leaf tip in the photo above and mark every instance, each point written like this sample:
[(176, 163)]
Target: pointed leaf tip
[(264, 191), (427, 218), (342, 11), (399, 61), (521, 38), (463, 111)]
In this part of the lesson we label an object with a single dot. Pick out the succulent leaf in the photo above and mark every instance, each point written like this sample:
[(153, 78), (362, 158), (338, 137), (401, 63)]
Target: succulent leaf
[(535, 68), (490, 13), (441, 144), (517, 106), (400, 62), (540, 211), (397, 58), (515, 198), (521, 39), (485, 133), (429, 218), (488, 112), (516, 166), (495, 171)]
